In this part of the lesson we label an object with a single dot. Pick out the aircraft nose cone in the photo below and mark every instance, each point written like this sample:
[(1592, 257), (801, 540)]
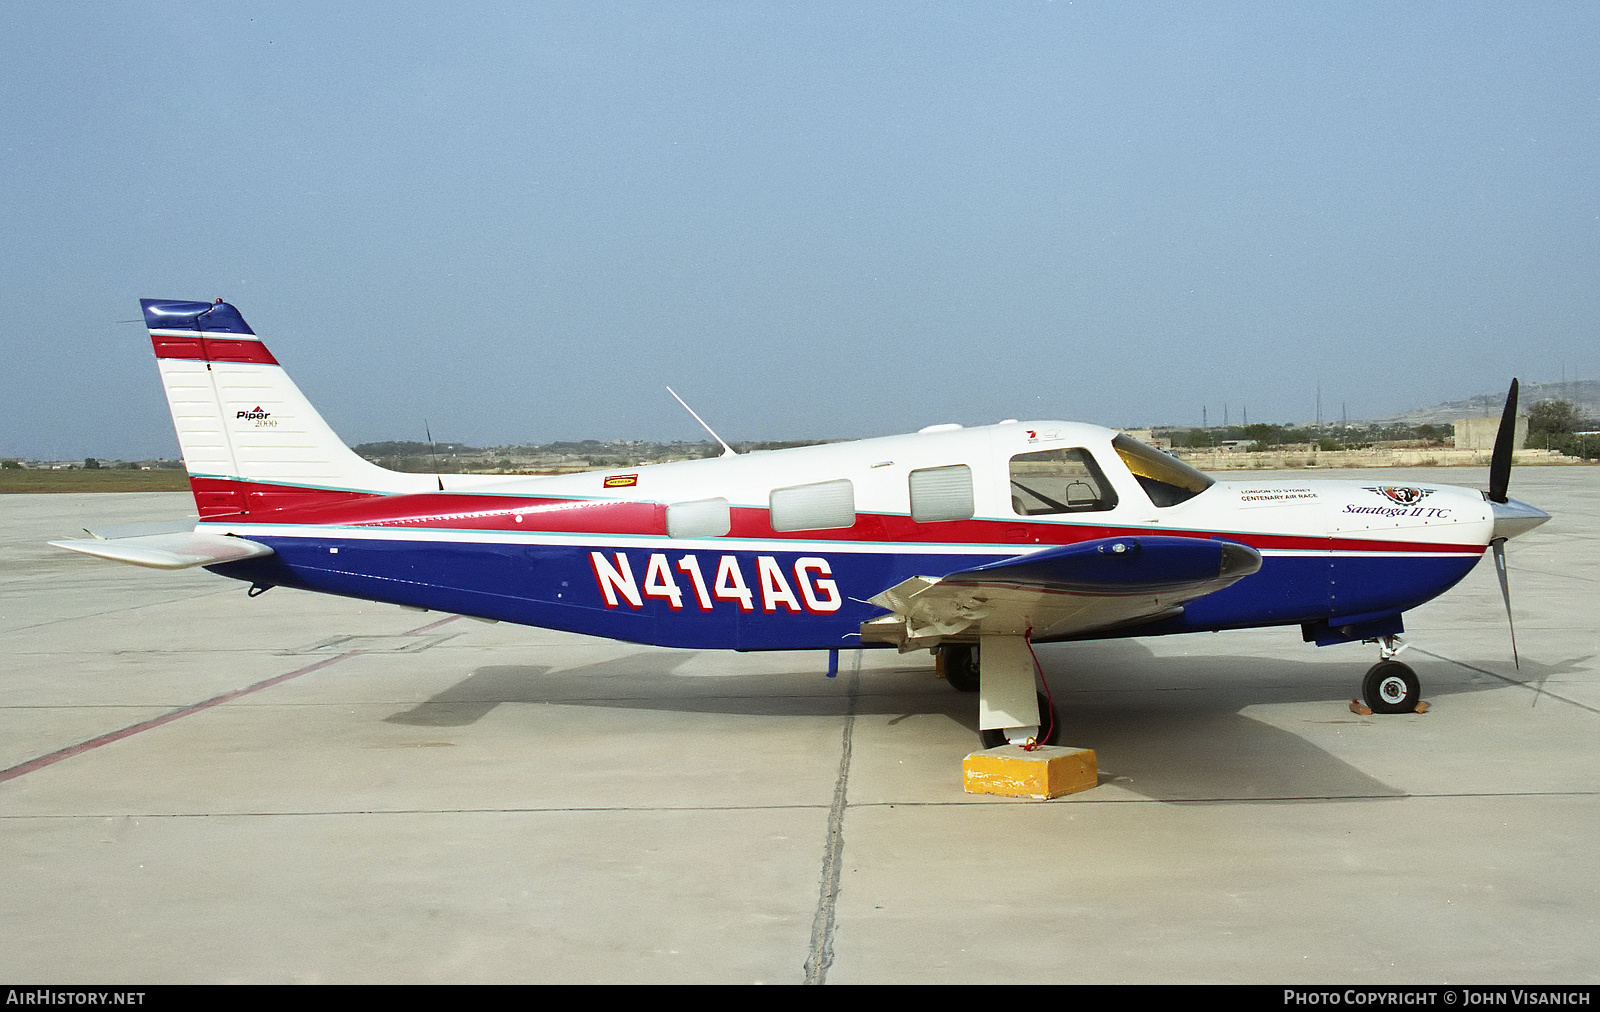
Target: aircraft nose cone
[(1512, 518)]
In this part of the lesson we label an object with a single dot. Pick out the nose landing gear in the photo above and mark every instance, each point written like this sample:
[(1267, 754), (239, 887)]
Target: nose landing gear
[(1390, 686), (961, 664)]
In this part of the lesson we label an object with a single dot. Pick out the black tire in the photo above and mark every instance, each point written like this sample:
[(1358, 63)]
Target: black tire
[(1391, 687), (959, 662), (1049, 727)]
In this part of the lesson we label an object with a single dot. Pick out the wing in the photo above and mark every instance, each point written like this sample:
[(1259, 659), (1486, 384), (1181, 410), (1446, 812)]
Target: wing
[(177, 550), (1059, 592)]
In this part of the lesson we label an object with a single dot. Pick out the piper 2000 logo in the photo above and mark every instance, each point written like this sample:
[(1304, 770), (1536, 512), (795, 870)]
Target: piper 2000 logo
[(262, 419)]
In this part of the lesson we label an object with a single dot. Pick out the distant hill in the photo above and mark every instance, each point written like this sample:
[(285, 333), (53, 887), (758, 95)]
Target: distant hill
[(1584, 395)]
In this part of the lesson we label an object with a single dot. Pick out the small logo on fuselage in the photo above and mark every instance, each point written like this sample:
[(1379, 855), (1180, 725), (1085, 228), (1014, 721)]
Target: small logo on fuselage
[(1405, 495), (620, 480)]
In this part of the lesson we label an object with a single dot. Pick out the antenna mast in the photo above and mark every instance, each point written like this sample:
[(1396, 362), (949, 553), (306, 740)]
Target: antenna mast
[(727, 451)]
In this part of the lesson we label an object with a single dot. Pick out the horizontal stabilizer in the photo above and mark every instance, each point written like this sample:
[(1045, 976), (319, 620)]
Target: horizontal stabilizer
[(169, 551), (141, 530)]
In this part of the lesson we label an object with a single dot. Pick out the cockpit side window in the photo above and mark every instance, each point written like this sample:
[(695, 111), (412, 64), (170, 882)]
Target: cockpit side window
[(1058, 481), (1167, 480)]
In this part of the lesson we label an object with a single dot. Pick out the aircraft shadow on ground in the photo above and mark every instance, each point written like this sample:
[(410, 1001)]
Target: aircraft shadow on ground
[(1168, 728), (1201, 753), (1081, 675)]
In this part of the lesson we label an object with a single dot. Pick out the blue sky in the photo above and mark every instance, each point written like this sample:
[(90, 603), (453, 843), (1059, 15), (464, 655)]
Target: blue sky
[(518, 221)]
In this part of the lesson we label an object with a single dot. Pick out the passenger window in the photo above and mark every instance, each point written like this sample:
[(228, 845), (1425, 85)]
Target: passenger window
[(941, 493), (701, 518), (817, 507), (1058, 481)]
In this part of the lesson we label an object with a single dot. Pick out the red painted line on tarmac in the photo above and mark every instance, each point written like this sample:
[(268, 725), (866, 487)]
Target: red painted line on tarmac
[(167, 718)]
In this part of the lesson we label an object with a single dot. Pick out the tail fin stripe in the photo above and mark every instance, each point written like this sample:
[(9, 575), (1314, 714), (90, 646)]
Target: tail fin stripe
[(211, 349)]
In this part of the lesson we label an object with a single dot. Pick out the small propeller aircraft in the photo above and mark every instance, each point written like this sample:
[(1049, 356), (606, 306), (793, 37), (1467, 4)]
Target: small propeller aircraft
[(973, 542)]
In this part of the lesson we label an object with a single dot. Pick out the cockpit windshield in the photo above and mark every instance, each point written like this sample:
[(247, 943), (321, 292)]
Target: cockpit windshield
[(1167, 480)]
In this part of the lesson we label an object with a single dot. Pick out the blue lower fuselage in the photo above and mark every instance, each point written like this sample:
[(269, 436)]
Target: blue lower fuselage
[(812, 598)]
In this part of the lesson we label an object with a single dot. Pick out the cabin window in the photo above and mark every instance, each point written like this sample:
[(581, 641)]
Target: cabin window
[(941, 493), (1168, 481), (702, 518), (1058, 481), (817, 507)]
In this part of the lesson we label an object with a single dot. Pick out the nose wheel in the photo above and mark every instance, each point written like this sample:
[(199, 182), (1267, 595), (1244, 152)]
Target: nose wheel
[(1391, 687)]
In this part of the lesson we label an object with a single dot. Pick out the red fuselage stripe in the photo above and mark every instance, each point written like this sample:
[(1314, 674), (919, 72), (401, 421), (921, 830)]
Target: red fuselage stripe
[(465, 511), (220, 498)]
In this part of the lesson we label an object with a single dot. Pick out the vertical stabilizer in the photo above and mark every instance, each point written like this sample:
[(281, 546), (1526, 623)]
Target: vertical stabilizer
[(250, 439)]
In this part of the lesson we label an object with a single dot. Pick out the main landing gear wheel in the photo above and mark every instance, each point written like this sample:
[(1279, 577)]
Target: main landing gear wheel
[(1049, 726), (958, 662), (1391, 687)]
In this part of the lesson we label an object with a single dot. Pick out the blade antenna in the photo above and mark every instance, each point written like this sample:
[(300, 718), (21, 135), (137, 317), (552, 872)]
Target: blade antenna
[(727, 451), (433, 454)]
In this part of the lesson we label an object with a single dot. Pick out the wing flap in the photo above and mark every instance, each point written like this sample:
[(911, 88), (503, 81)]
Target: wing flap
[(1063, 591), (180, 550)]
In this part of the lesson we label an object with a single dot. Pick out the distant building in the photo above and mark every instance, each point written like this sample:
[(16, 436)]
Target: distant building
[(1480, 433), (1148, 438)]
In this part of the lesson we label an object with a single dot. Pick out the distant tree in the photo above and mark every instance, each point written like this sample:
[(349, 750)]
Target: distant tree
[(1570, 443), (1553, 425), (1554, 418), (1264, 435), (11, 465), (408, 448), (90, 464)]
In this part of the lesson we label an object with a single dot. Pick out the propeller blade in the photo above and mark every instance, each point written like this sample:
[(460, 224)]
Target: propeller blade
[(1504, 440), (1499, 546)]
